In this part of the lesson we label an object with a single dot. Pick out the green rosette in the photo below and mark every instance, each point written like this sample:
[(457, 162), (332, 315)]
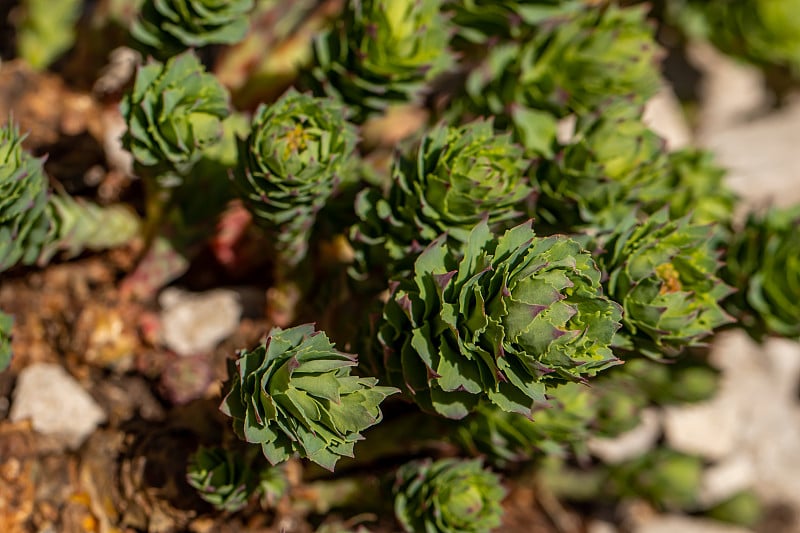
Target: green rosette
[(382, 52), (511, 315), (6, 324), (763, 263), (571, 63), (294, 394), (664, 272), (167, 27), (221, 477), (613, 166), (174, 112), (291, 163), (447, 496), (455, 178), (25, 223)]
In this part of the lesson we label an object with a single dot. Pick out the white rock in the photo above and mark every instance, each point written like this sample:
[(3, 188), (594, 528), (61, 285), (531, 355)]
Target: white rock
[(663, 115), (684, 524), (195, 323), (723, 480), (56, 404), (630, 444)]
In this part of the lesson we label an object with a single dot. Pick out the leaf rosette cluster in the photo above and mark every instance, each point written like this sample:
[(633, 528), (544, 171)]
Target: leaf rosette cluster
[(291, 163), (447, 496), (295, 394), (664, 272), (382, 52), (167, 27), (174, 111), (497, 323), (25, 224), (221, 477), (763, 263), (457, 177)]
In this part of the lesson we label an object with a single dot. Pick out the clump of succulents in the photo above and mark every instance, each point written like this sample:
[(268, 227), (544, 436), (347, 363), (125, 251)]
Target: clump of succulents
[(290, 164), (221, 477), (173, 112), (448, 495), (455, 178), (763, 263), (382, 52), (167, 27), (25, 225), (664, 273), (498, 322), (294, 394)]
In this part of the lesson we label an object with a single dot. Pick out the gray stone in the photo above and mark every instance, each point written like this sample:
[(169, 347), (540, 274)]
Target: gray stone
[(684, 524), (56, 404), (194, 323)]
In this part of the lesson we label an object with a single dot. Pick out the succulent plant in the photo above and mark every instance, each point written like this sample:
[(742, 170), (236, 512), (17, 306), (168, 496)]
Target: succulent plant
[(83, 225), (272, 485), (447, 496), (572, 63), (763, 263), (382, 52), (291, 163), (25, 225), (173, 112), (480, 20), (45, 30), (167, 27), (564, 421), (294, 394), (513, 313), (613, 166), (764, 32), (221, 477), (6, 323), (697, 188), (667, 478), (664, 272), (457, 177)]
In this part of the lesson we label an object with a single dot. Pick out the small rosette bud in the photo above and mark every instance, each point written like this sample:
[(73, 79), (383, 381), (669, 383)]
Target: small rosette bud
[(291, 163), (514, 313), (447, 496), (382, 52), (174, 111), (295, 394), (664, 272), (25, 223), (457, 177), (221, 477), (167, 27), (763, 263)]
